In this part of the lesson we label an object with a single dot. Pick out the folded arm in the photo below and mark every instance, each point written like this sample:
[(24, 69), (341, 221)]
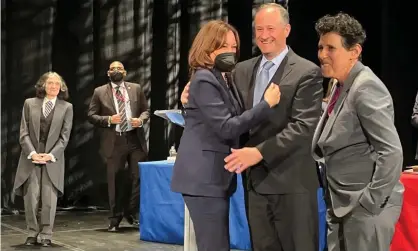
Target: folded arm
[(206, 93)]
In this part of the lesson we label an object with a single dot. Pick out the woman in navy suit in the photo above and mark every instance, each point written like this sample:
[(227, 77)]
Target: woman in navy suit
[(215, 120)]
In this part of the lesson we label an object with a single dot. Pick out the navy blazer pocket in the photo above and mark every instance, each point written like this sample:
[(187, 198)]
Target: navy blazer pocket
[(215, 171)]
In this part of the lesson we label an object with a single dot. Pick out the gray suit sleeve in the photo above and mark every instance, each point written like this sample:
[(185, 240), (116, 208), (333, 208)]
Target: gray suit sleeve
[(374, 107), (62, 142), (24, 138), (414, 119)]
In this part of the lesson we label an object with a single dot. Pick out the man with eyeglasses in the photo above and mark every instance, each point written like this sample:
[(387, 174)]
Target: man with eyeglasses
[(119, 110)]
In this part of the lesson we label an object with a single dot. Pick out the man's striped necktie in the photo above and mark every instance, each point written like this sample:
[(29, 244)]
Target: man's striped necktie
[(121, 104), (48, 108)]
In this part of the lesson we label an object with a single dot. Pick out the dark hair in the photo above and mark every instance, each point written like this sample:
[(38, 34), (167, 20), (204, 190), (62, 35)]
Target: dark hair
[(209, 38), (346, 26), (40, 86)]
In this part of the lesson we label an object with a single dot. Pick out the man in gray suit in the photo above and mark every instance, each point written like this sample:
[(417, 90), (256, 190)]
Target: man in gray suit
[(44, 133), (359, 144)]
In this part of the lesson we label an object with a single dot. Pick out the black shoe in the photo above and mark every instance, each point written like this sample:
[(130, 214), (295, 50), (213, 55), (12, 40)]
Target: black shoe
[(113, 227), (46, 242), (30, 241), (132, 220)]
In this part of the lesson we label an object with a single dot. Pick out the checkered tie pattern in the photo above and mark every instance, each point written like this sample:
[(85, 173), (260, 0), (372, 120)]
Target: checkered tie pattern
[(48, 108), (121, 104)]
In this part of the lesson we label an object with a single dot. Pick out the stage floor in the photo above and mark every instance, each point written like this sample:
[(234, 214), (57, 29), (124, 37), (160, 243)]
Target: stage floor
[(79, 231)]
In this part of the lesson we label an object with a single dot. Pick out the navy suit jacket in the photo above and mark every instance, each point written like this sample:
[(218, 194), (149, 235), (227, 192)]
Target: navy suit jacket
[(214, 123)]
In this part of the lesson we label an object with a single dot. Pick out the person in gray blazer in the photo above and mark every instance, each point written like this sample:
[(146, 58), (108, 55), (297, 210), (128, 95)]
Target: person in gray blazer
[(359, 144), (44, 133), (414, 120), (215, 120)]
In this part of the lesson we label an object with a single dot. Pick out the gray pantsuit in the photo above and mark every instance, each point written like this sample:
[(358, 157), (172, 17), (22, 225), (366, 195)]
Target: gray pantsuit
[(41, 184), (39, 189), (362, 153)]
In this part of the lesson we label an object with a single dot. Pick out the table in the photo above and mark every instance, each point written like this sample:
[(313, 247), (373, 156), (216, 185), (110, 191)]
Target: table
[(162, 211), (406, 230)]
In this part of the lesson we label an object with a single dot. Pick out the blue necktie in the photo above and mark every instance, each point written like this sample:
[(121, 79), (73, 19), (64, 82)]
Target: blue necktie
[(262, 82)]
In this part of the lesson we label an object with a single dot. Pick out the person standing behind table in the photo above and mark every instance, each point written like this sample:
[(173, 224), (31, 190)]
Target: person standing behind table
[(215, 119), (45, 129), (119, 110), (358, 141)]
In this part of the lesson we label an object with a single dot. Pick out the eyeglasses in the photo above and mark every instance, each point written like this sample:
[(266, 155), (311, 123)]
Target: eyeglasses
[(116, 69)]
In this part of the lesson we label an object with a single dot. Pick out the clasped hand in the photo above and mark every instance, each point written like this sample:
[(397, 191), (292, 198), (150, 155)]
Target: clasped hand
[(41, 158)]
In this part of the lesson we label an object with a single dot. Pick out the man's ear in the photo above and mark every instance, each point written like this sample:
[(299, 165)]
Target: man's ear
[(356, 51)]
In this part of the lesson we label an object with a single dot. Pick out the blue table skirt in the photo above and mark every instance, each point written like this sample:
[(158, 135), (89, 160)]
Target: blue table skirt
[(162, 211)]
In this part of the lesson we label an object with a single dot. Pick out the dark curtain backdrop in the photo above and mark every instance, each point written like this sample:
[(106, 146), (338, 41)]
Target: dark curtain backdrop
[(80, 38)]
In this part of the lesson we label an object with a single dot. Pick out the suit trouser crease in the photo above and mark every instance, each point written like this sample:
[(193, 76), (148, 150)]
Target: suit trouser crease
[(38, 189)]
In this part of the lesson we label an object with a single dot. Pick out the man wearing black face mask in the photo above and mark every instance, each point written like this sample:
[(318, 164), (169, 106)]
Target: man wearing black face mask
[(119, 109)]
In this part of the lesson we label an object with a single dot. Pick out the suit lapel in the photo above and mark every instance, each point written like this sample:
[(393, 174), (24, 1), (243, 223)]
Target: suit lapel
[(339, 104), (279, 76), (253, 68), (37, 113), (320, 126), (283, 71), (132, 97), (109, 96), (223, 83), (234, 97), (239, 98)]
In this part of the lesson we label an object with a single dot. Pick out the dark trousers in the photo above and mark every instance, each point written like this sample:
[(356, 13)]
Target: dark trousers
[(210, 218), (123, 183), (283, 222)]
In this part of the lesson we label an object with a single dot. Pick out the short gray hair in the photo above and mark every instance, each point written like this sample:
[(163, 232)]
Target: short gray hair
[(282, 10)]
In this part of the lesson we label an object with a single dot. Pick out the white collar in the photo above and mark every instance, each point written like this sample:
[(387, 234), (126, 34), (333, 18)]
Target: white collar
[(116, 86), (54, 100), (276, 60)]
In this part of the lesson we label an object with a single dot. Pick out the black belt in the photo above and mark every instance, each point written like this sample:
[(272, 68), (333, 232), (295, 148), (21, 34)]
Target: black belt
[(126, 133)]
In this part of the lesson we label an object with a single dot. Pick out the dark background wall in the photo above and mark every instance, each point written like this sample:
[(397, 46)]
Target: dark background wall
[(79, 39)]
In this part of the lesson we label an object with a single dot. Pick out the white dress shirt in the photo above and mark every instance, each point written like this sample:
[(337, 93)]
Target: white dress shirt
[(276, 61), (128, 111)]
